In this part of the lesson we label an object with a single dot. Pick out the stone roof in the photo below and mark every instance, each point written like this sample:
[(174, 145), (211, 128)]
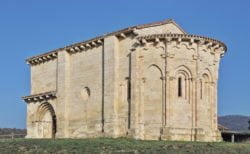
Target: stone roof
[(97, 41), (119, 33)]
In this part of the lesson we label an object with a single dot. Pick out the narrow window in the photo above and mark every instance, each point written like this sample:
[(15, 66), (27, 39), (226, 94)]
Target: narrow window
[(201, 92), (129, 101), (128, 90), (179, 87)]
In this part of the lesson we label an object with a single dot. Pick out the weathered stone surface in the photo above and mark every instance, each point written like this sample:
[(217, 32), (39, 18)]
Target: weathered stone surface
[(149, 82)]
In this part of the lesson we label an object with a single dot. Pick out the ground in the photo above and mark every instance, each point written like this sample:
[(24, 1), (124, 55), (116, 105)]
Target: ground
[(106, 145)]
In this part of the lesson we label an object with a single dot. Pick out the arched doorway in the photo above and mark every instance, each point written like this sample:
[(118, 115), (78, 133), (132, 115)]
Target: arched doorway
[(46, 121)]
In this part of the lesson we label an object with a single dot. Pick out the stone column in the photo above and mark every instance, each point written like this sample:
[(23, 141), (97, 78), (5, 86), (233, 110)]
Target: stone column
[(63, 91), (198, 132), (167, 83), (111, 85)]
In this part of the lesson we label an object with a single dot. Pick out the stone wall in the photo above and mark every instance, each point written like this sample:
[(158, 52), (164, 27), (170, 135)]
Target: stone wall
[(154, 83)]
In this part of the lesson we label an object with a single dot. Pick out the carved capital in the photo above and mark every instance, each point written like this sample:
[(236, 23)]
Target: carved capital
[(163, 56), (195, 57), (172, 77)]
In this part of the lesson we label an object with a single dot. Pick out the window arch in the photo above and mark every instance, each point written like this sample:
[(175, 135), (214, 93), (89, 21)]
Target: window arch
[(183, 76), (179, 87), (182, 85)]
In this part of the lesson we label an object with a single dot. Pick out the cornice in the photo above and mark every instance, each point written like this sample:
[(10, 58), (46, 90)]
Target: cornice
[(78, 47), (40, 97), (42, 58), (183, 37), (97, 41)]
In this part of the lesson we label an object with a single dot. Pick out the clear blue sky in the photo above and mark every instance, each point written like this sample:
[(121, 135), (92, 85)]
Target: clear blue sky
[(31, 27)]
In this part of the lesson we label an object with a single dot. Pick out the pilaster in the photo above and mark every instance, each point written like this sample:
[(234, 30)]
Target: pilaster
[(136, 129), (63, 91), (111, 76)]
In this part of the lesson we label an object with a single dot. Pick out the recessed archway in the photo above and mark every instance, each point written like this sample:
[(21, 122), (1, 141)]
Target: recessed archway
[(46, 121)]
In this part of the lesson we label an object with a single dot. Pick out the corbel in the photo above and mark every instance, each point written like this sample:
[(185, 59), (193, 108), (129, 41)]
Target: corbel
[(217, 46), (54, 54), (77, 48), (41, 98), (82, 47), (93, 43), (71, 50), (99, 41), (88, 45), (122, 35), (201, 42), (209, 45), (179, 40), (144, 42), (157, 40), (191, 41), (49, 57)]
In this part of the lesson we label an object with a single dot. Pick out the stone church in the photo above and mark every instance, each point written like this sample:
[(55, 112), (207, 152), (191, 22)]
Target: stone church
[(150, 82)]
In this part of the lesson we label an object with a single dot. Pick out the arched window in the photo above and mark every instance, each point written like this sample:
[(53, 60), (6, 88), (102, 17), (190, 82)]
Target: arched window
[(183, 82), (180, 87)]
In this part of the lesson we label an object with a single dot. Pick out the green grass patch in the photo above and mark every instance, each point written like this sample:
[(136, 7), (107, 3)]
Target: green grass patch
[(121, 145)]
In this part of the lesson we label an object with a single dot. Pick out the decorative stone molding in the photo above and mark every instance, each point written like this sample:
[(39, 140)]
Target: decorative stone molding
[(201, 40), (42, 58), (77, 47), (40, 97), (84, 46)]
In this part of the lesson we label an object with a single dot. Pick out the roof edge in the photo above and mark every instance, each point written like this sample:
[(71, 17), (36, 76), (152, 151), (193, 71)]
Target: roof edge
[(125, 30)]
